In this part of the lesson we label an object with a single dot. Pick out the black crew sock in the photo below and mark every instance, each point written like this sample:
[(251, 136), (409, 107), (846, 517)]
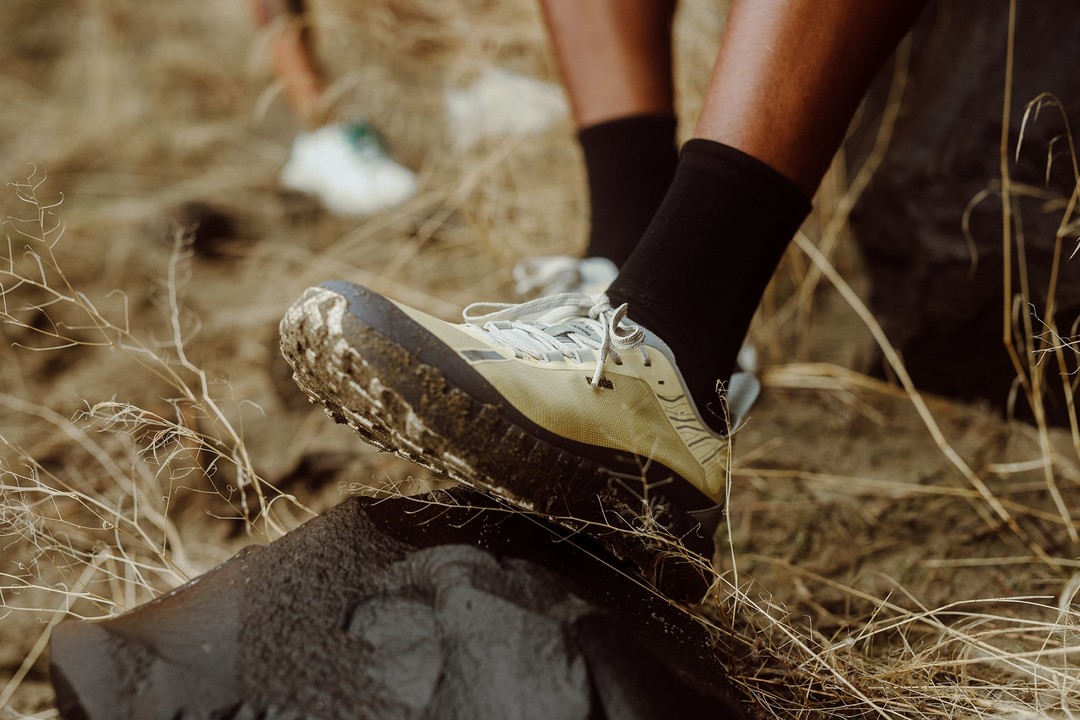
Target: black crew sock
[(629, 163), (698, 274)]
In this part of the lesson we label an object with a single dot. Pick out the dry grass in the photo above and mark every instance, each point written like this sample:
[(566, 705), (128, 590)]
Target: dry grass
[(890, 555)]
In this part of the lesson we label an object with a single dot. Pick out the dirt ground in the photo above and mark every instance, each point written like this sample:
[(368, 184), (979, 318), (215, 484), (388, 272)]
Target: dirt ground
[(885, 560)]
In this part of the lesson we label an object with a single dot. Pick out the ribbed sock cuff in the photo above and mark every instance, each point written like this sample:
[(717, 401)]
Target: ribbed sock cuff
[(731, 165)]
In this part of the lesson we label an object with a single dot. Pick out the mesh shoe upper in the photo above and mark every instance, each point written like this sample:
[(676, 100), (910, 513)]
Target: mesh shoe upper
[(574, 366), (555, 274)]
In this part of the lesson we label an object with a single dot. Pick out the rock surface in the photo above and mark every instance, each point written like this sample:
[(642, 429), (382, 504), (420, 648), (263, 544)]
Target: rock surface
[(399, 609), (939, 297)]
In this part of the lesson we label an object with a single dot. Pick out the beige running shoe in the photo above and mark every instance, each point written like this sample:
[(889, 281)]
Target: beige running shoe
[(560, 405)]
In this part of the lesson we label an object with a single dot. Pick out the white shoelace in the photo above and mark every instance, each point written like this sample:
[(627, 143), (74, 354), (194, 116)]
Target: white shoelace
[(563, 324)]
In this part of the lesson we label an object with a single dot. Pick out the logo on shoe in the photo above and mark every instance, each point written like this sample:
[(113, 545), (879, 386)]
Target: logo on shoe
[(604, 383)]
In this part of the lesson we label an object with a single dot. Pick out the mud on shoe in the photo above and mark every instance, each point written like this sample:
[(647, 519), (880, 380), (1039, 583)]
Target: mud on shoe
[(558, 405)]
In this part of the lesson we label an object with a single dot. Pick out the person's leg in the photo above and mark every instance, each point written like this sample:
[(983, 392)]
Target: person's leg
[(573, 406), (791, 73), (787, 80), (615, 56), (292, 58), (615, 60)]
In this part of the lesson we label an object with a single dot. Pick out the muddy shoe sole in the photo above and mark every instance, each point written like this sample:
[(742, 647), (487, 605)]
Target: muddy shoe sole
[(400, 388)]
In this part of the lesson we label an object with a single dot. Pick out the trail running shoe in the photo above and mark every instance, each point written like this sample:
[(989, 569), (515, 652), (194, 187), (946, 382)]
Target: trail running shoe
[(347, 167), (559, 405)]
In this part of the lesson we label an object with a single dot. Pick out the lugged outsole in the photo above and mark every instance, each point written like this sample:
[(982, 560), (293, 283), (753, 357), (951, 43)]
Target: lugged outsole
[(478, 446)]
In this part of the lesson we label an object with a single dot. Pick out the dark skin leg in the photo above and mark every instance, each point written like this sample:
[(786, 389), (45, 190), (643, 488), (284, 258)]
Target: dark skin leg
[(615, 56), (790, 75)]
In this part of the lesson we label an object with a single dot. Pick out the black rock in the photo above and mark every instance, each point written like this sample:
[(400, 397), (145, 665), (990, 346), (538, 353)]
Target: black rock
[(938, 292), (399, 609)]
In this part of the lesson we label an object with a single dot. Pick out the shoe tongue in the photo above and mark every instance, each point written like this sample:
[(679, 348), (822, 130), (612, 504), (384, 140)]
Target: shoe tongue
[(557, 316), (561, 331), (523, 339)]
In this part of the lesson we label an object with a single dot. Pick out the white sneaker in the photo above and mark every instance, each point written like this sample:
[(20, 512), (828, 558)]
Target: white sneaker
[(557, 274), (346, 166)]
